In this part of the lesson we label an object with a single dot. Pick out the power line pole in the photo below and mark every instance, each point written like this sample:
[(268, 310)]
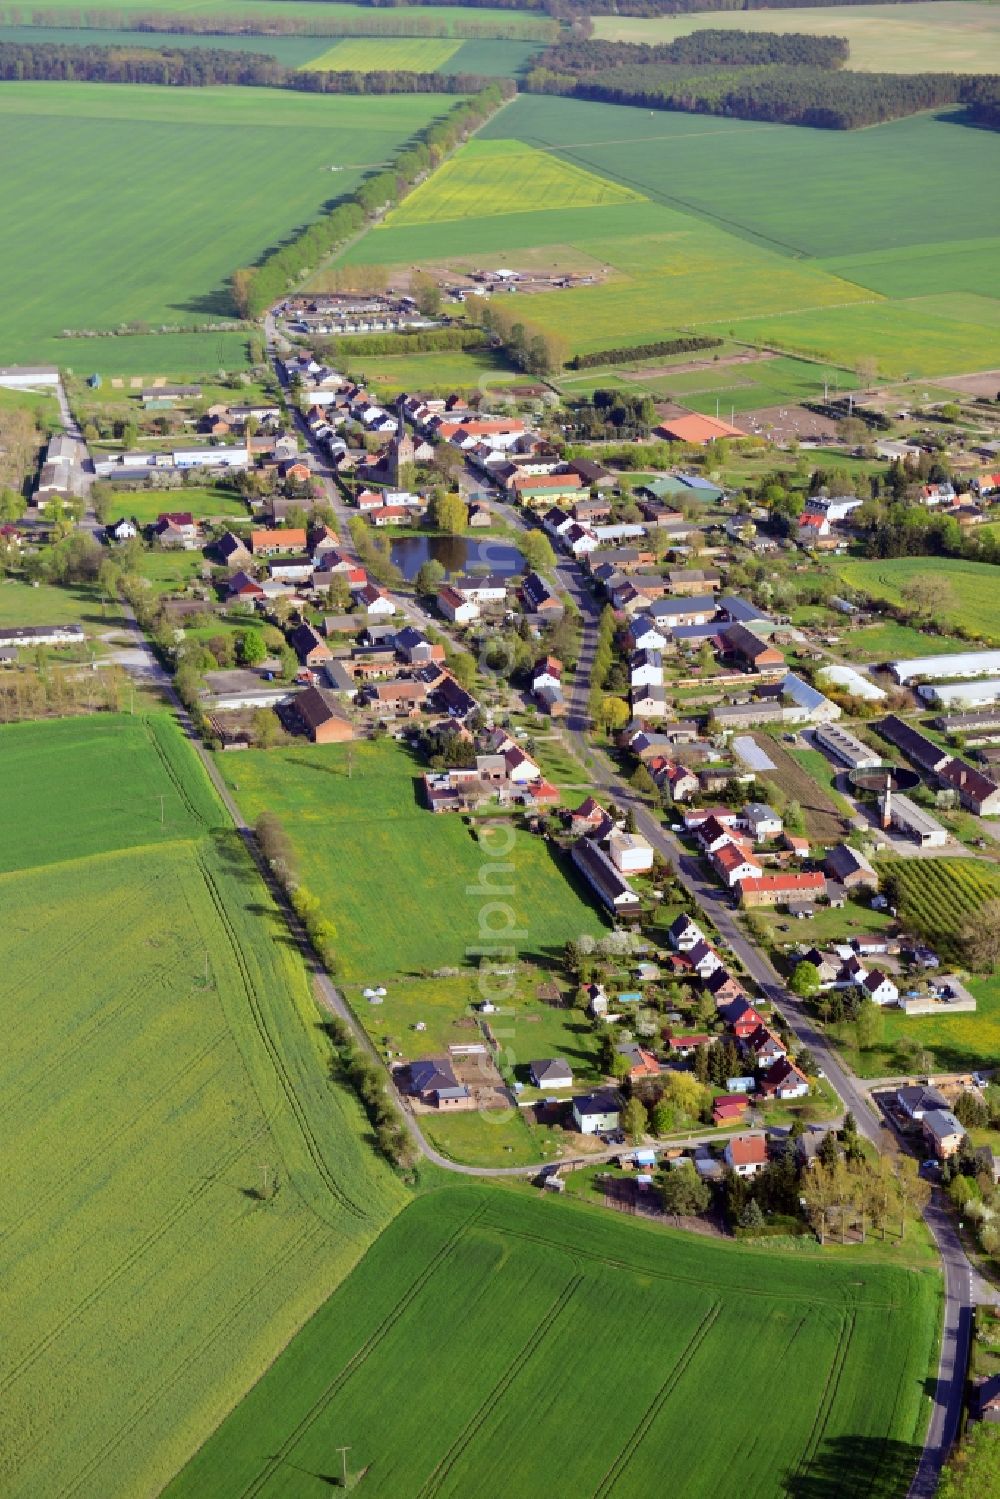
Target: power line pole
[(343, 1457)]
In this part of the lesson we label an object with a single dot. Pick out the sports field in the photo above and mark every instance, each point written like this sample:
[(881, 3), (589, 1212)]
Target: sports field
[(934, 36), (531, 1301), (403, 888), (830, 262), (975, 600), (162, 1070), (175, 190)]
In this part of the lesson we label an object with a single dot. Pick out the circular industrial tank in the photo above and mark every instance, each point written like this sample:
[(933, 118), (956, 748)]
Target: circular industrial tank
[(876, 777)]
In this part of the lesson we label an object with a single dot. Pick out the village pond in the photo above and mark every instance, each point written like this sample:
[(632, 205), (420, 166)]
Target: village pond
[(456, 554)]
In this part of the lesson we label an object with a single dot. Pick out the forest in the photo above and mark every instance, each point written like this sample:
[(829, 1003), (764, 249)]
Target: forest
[(823, 98), (700, 49), (208, 67)]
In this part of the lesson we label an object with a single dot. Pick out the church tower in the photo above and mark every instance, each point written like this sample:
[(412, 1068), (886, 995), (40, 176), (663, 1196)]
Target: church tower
[(401, 450)]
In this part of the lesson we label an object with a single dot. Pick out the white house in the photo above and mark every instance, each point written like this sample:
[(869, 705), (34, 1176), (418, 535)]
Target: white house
[(684, 934), (649, 702), (460, 610), (762, 821), (704, 959), (880, 987), (373, 602), (646, 669), (551, 1072), (646, 635), (746, 1154)]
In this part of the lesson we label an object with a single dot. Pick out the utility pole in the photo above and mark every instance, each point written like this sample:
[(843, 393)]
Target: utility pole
[(343, 1457)]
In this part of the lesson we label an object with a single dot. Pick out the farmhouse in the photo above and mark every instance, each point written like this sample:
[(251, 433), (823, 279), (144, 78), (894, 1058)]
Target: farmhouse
[(879, 987), (310, 647), (942, 1132), (271, 543), (611, 889), (744, 646), (849, 868)]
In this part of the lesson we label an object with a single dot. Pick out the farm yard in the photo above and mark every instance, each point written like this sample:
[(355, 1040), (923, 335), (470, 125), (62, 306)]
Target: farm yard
[(959, 36), (541, 1292), (974, 605), (402, 886), (183, 1183), (154, 158)]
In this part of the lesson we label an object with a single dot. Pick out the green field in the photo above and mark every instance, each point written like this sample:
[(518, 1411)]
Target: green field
[(144, 505), (936, 897), (531, 1300), (23, 604), (142, 246), (161, 1055), (290, 50), (401, 885), (935, 36), (449, 18), (402, 54), (465, 369), (976, 599), (738, 387), (830, 262), (888, 640)]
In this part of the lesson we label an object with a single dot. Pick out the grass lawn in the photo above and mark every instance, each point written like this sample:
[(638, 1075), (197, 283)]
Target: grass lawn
[(208, 503), (162, 1057), (935, 36), (541, 1291), (494, 1137), (154, 159), (975, 602), (56, 604), (957, 1043), (169, 571), (888, 641), (404, 888), (828, 925)]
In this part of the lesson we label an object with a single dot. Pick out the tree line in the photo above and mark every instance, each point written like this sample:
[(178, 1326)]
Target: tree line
[(823, 98), (681, 7), (536, 350), (625, 355), (420, 341), (399, 21), (209, 67), (255, 288), (709, 48)]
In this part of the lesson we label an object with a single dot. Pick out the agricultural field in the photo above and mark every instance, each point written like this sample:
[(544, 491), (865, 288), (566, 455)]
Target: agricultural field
[(400, 54), (975, 601), (451, 19), (292, 51), (401, 886), (492, 178), (830, 263), (887, 640), (155, 158), (770, 381), (541, 1293), (935, 897), (184, 1183), (808, 785), (936, 36)]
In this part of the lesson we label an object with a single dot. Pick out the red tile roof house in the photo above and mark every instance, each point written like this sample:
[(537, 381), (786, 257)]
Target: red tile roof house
[(683, 1046), (746, 1023), (733, 866), (746, 1154), (784, 1080), (723, 987), (712, 834), (643, 1062), (729, 1108)]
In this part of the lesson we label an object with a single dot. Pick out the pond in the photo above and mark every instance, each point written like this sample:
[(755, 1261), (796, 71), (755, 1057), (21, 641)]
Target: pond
[(456, 554)]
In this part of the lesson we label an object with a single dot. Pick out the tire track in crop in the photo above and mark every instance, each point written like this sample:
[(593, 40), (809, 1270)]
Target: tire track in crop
[(117, 1133), (169, 1221), (659, 1400), (473, 1426), (191, 1358), (829, 1395), (355, 1362), (172, 775), (312, 1145), (687, 1280)]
